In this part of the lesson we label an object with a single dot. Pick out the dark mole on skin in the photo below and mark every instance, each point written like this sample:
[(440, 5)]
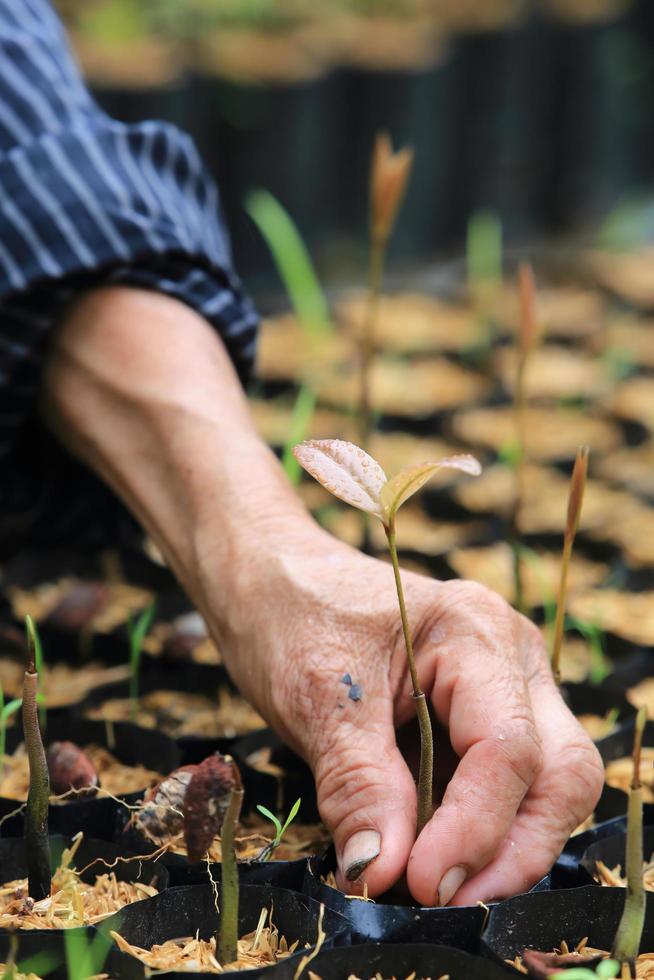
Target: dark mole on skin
[(346, 679), (355, 692)]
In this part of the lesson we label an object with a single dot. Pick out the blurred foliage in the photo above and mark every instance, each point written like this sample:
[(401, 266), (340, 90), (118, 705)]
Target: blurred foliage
[(116, 20)]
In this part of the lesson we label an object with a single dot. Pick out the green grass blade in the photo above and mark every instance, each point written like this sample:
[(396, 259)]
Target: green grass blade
[(303, 409), (292, 260), (270, 816)]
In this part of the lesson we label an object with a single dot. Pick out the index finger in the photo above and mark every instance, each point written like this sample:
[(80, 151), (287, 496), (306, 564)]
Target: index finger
[(481, 693)]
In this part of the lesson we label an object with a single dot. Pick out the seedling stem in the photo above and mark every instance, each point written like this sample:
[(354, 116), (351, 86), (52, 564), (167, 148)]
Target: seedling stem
[(426, 770), (137, 630), (630, 929), (36, 814), (227, 935), (575, 501)]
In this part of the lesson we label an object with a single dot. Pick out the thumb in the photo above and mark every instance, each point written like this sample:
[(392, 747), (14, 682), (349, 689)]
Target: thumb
[(367, 799)]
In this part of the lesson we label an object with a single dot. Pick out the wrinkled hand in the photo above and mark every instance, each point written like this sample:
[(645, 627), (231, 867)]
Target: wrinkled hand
[(526, 775)]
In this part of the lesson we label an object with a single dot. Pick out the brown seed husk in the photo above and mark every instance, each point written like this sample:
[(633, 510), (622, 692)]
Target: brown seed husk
[(115, 778), (70, 768), (300, 840), (72, 902), (614, 878), (263, 947), (584, 955), (206, 802)]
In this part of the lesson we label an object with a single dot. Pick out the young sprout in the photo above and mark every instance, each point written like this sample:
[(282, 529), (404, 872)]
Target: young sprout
[(484, 275), (355, 477), (36, 815), (389, 176), (137, 630), (212, 805), (307, 298), (630, 930), (575, 501), (526, 341), (280, 829), (32, 631), (84, 957)]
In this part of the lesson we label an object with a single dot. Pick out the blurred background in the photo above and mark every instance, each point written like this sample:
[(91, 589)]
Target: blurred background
[(539, 113)]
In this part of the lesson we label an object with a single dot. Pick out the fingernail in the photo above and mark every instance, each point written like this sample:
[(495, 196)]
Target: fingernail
[(361, 849), (450, 884)]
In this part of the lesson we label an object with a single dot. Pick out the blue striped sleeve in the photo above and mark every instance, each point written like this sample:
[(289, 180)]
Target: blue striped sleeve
[(85, 199)]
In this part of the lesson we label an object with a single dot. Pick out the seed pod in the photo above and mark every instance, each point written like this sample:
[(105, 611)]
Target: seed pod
[(206, 802), (160, 817), (70, 768), (78, 607)]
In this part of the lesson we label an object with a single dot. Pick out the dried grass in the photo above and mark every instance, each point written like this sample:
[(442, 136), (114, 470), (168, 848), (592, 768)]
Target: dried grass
[(299, 841), (262, 947), (619, 773), (72, 902), (613, 877), (179, 713), (644, 964), (116, 779)]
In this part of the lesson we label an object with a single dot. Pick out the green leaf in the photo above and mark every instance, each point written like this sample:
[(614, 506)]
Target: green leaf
[(509, 453), (271, 816), (40, 964), (10, 708), (84, 958), (138, 628), (292, 260), (303, 410), (484, 248), (292, 815)]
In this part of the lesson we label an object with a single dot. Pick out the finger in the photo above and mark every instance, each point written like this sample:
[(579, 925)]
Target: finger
[(367, 799), (482, 693), (564, 793)]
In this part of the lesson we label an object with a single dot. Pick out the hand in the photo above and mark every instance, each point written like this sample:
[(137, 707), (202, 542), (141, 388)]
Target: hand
[(527, 773), (141, 389)]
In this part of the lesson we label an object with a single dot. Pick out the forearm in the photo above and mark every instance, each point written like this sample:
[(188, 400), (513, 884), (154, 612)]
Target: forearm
[(142, 390)]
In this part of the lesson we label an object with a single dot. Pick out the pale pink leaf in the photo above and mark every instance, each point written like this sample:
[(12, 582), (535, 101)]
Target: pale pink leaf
[(408, 481), (345, 470)]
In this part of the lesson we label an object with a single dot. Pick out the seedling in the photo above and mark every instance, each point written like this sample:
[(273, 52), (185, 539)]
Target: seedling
[(600, 664), (84, 957), (212, 805), (355, 477), (33, 637), (630, 930), (307, 299), (36, 815), (575, 502), (526, 341), (389, 176), (280, 829), (303, 409), (137, 630), (484, 274)]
